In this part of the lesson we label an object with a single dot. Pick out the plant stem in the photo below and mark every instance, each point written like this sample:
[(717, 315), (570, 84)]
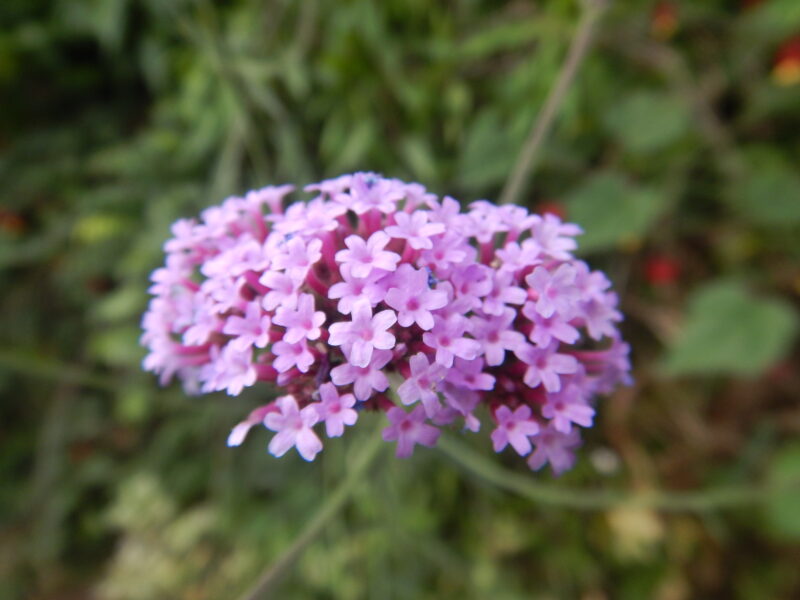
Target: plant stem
[(593, 500), (364, 458), (520, 175)]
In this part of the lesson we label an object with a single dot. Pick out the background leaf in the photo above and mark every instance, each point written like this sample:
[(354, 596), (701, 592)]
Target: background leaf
[(729, 330)]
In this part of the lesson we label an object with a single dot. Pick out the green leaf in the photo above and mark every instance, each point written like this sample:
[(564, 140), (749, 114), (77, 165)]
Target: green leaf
[(729, 330), (769, 195), (612, 211), (647, 121), (488, 153), (782, 514)]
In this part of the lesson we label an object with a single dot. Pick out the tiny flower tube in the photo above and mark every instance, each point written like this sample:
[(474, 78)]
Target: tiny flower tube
[(481, 315)]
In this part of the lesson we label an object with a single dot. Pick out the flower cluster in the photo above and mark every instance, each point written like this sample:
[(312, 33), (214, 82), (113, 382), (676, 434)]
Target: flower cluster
[(375, 280)]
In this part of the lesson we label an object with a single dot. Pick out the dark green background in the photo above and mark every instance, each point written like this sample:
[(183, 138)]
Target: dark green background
[(119, 116)]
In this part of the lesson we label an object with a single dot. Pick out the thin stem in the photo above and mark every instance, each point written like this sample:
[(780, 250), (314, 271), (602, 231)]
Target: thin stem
[(593, 500), (520, 176), (364, 459)]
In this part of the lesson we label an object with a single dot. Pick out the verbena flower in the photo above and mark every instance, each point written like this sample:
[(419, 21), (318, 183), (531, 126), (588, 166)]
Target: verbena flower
[(482, 314)]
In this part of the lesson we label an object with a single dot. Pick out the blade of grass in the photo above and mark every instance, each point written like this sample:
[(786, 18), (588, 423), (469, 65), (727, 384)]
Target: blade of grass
[(521, 174)]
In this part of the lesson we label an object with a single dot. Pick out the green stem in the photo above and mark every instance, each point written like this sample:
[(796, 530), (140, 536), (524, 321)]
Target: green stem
[(270, 578), (520, 175), (594, 500)]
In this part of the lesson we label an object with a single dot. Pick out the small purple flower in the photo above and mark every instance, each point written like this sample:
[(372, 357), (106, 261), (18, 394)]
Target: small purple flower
[(503, 292), (545, 329), (514, 428), (556, 291), (567, 407), (364, 379), (337, 411), (409, 429), (282, 290), (232, 371), (554, 447), (421, 384), (469, 375), (250, 330), (415, 229), (496, 335), (293, 428), (298, 257), (447, 338), (363, 334), (302, 322), (545, 366), (368, 192), (352, 289), (289, 355), (256, 417), (413, 300), (364, 256)]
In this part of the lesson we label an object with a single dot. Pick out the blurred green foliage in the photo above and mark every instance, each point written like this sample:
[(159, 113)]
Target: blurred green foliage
[(676, 152)]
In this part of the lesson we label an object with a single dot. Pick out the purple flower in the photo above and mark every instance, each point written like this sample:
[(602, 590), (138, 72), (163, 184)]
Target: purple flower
[(484, 307), (368, 192), (293, 429), (545, 366), (502, 293), (302, 322), (556, 291), (421, 384), (250, 330), (352, 289), (545, 329), (298, 257), (337, 411), (256, 417), (415, 229), (514, 428), (289, 355), (409, 429), (364, 379), (468, 374), (282, 290), (447, 338), (554, 447), (232, 370), (496, 335), (413, 300), (364, 256), (568, 407), (363, 334)]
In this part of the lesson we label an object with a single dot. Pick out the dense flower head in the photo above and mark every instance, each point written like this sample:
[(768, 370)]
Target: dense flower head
[(473, 314)]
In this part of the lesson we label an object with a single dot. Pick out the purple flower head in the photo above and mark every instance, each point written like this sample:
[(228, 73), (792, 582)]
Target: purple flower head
[(375, 294)]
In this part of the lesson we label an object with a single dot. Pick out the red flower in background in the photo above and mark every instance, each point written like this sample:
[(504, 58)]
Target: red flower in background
[(786, 67), (661, 270), (664, 20)]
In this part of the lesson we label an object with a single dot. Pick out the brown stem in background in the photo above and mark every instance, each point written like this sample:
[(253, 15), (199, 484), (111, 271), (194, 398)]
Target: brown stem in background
[(521, 174)]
